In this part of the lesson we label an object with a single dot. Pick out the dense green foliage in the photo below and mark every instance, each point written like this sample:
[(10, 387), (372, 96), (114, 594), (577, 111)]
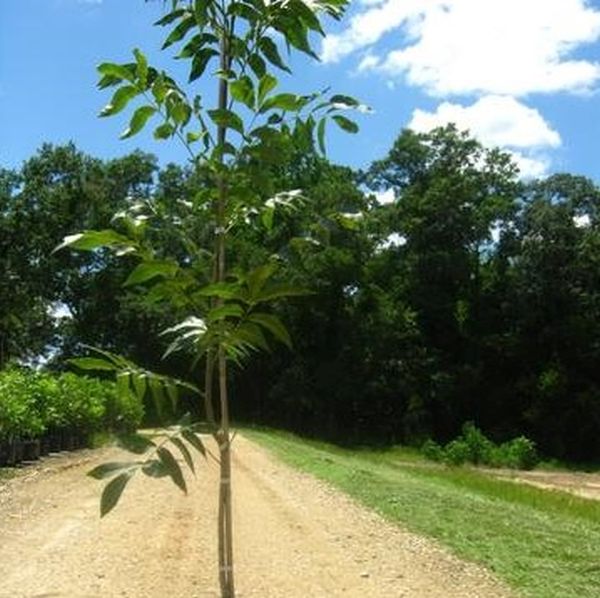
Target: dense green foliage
[(33, 404), (472, 446), (473, 296), (542, 543)]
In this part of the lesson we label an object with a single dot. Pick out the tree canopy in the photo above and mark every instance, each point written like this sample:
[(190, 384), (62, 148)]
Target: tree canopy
[(471, 296)]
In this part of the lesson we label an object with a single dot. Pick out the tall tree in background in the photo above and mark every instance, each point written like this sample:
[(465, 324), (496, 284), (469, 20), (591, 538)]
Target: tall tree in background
[(451, 194), (56, 191)]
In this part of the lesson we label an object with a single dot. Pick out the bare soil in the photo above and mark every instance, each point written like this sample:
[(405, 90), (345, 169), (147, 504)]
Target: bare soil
[(295, 538), (582, 484)]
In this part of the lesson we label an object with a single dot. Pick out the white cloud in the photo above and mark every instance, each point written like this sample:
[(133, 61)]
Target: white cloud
[(446, 47), (498, 121), (582, 221), (368, 26), (495, 120), (392, 241), (534, 166), (385, 197)]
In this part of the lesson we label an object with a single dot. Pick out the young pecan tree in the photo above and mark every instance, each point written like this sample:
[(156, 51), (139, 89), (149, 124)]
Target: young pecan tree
[(233, 134)]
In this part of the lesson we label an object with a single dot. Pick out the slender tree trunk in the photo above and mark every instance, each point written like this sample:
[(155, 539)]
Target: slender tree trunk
[(225, 522), (208, 390)]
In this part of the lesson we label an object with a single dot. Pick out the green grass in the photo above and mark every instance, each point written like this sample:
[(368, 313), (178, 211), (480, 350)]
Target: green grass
[(542, 543)]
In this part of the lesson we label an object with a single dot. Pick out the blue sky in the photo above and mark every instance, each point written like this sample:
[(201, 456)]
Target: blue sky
[(521, 74)]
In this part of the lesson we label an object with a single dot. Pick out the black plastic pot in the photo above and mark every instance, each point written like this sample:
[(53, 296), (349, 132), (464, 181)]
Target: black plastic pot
[(54, 442), (44, 445), (69, 441), (15, 452), (31, 449), (3, 453)]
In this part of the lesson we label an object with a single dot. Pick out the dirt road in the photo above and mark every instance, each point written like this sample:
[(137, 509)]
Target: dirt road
[(295, 538)]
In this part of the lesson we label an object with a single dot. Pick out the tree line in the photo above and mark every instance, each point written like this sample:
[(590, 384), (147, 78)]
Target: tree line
[(472, 296)]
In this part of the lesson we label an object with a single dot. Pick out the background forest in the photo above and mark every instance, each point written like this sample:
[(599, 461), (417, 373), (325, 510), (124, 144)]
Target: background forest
[(472, 296)]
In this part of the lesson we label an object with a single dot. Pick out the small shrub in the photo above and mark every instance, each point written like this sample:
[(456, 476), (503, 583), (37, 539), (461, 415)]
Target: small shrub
[(33, 403), (519, 453), (481, 448), (19, 416), (457, 452), (83, 400), (124, 411), (432, 450), (472, 446)]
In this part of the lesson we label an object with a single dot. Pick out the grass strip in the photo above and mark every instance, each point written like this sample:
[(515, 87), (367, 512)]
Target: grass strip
[(542, 543)]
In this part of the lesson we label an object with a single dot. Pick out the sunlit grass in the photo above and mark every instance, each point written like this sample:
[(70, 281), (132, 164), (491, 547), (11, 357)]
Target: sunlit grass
[(543, 543)]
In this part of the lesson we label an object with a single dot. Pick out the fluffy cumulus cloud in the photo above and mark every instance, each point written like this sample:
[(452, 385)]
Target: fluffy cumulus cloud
[(498, 121), (494, 51), (494, 120), (452, 47)]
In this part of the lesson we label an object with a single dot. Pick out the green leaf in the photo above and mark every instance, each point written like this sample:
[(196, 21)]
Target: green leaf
[(170, 17), (266, 85), (266, 217), (269, 49), (149, 270), (180, 112), (185, 452), (107, 470), (242, 90), (192, 137), (200, 62), (117, 71), (179, 31), (119, 101), (112, 492), (142, 67), (118, 360), (296, 34), (275, 119), (257, 64), (172, 467), (321, 135), (158, 396), (93, 239), (92, 363), (348, 101), (196, 44), (279, 291), (123, 384), (135, 443), (289, 102), (274, 325), (173, 395), (225, 311), (155, 469), (226, 118), (305, 14), (138, 120), (345, 123), (257, 278), (249, 335), (194, 440), (201, 11), (140, 383), (224, 290), (248, 13), (164, 131), (159, 89)]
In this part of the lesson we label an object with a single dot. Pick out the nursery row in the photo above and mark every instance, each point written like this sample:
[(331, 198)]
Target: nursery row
[(41, 412)]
